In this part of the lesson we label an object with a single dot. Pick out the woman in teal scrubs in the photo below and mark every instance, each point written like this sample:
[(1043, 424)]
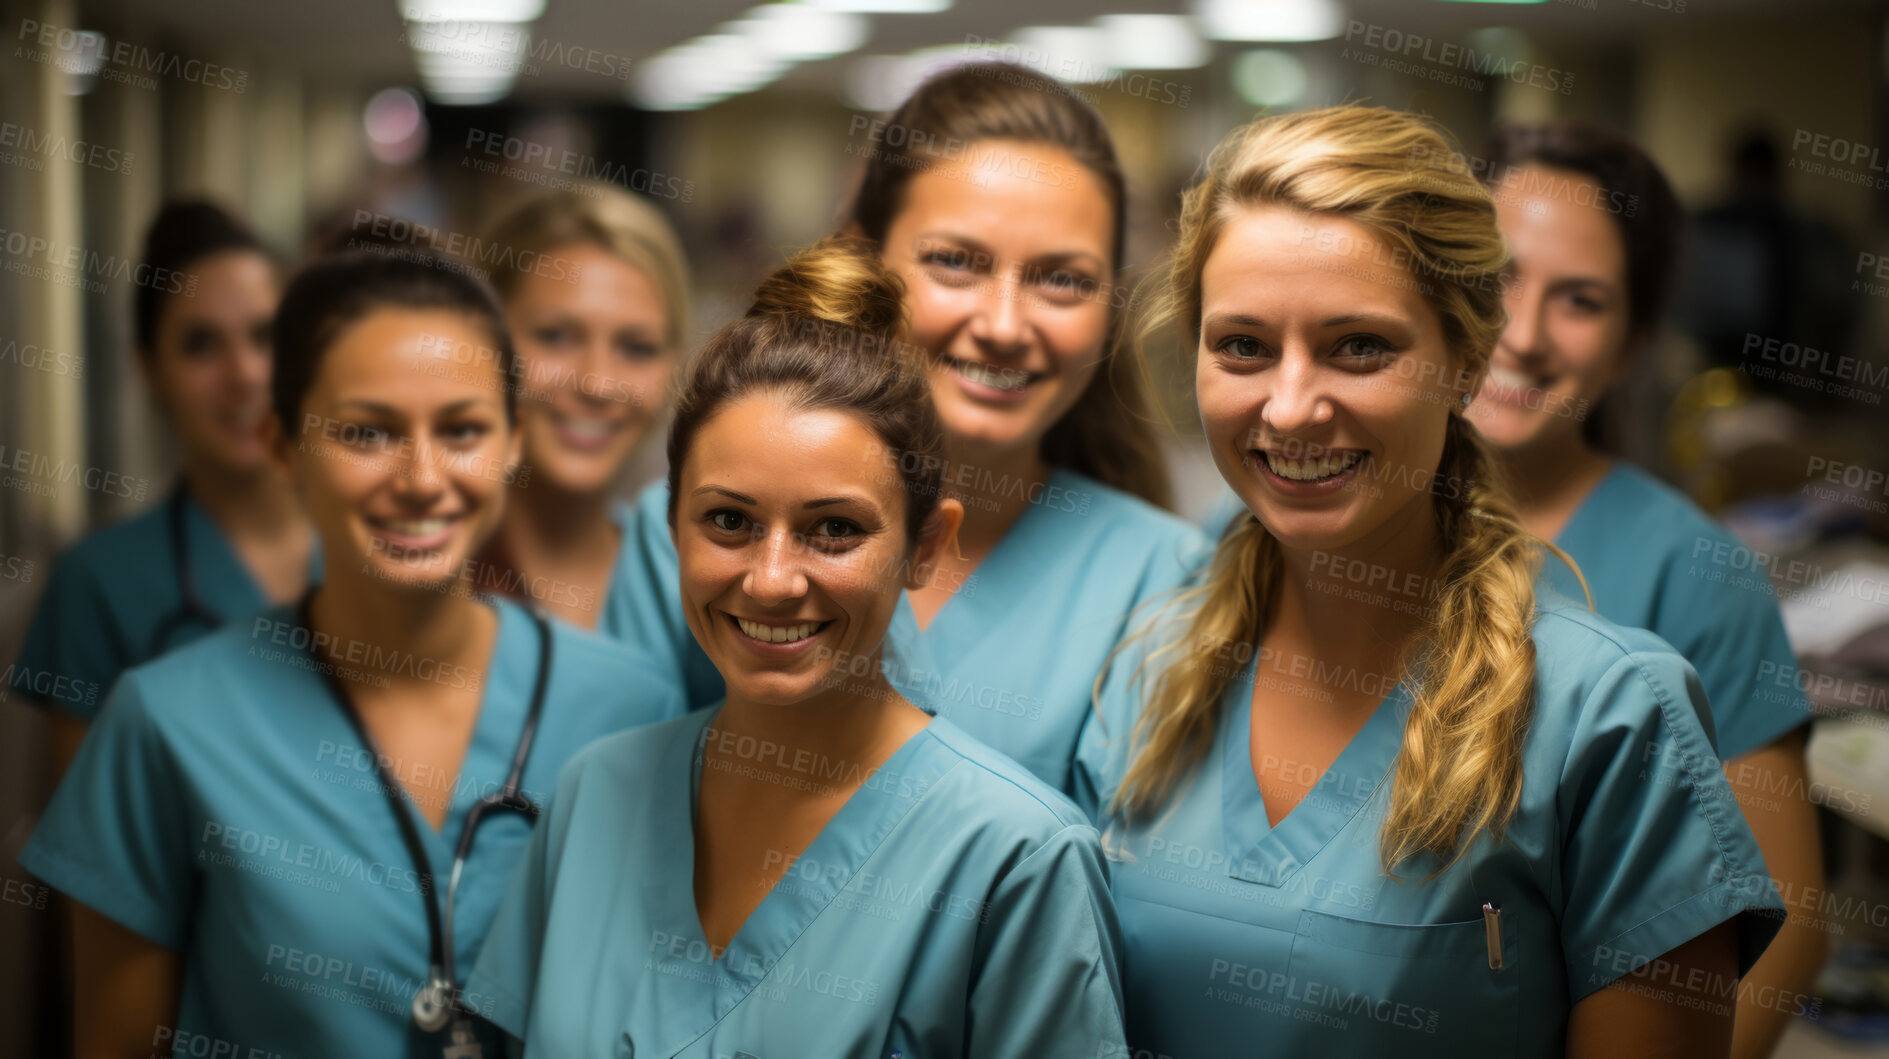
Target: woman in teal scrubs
[(1593, 230), (816, 866), (230, 536), (996, 196), (1366, 795), (261, 835), (595, 289)]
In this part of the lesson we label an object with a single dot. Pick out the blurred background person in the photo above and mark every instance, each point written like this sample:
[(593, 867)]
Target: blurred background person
[(229, 538), (1593, 232), (596, 294), (345, 781)]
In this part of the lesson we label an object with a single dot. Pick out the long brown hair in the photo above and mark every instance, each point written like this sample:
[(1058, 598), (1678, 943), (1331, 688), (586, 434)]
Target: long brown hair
[(1108, 434), (1473, 677)]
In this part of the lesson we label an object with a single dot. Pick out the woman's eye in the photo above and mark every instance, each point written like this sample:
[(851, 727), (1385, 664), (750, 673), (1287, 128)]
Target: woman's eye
[(727, 521), (1240, 347), (367, 436), (553, 337), (465, 433), (838, 528), (198, 341), (634, 349), (1364, 347), (1065, 283)]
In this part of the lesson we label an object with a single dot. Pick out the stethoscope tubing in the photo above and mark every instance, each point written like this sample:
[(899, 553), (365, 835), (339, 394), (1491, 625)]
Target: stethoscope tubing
[(440, 971)]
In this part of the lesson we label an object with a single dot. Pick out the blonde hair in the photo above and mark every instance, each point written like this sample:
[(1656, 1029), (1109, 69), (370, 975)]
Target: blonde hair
[(595, 215), (1459, 769)]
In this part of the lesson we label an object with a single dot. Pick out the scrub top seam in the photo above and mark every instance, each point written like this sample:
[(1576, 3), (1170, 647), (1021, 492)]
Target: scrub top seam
[(144, 921), (1006, 780)]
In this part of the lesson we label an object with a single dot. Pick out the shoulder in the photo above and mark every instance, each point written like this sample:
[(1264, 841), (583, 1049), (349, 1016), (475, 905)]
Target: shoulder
[(1114, 530), (592, 668), (627, 759), (1654, 515), (203, 690), (127, 546), (1119, 511), (996, 792), (1597, 680)]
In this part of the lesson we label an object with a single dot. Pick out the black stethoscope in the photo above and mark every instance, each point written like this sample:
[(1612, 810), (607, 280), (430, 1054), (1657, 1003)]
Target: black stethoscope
[(190, 608), (437, 1002)]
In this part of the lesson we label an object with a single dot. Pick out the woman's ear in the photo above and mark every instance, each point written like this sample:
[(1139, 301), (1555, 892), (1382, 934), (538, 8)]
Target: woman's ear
[(938, 539)]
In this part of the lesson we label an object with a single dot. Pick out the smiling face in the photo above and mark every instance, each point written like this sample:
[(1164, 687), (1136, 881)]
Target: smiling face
[(209, 365), (1324, 380), (1567, 299), (403, 453), (597, 346), (1006, 257), (793, 547)]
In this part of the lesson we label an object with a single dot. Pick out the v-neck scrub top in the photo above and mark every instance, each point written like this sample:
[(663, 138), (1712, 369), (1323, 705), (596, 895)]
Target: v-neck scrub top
[(1653, 560), (954, 906), (1011, 657), (1242, 938), (114, 600), (223, 807)]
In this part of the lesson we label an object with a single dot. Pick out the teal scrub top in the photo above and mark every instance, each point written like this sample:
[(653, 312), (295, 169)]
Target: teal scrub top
[(1653, 560), (1242, 938), (223, 808), (1011, 658), (954, 906), (116, 599)]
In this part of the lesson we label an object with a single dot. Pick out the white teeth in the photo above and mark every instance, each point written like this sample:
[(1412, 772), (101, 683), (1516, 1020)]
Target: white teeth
[(1312, 470), (587, 429), (777, 633), (416, 527), (995, 378), (1510, 379)]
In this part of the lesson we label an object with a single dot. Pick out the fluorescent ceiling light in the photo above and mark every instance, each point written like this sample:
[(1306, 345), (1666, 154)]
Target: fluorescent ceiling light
[(1275, 20), (471, 10), (795, 32), (1152, 42), (880, 7), (1270, 77), (1075, 54), (495, 41)]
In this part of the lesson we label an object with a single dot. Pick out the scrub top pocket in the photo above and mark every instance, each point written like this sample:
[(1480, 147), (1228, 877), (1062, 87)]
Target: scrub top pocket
[(1401, 989)]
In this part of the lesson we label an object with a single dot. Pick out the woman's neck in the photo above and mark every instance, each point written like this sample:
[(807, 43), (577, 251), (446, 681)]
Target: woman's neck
[(996, 487), (250, 505), (857, 722), (1549, 481), (1360, 606), (408, 630), (546, 520)]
